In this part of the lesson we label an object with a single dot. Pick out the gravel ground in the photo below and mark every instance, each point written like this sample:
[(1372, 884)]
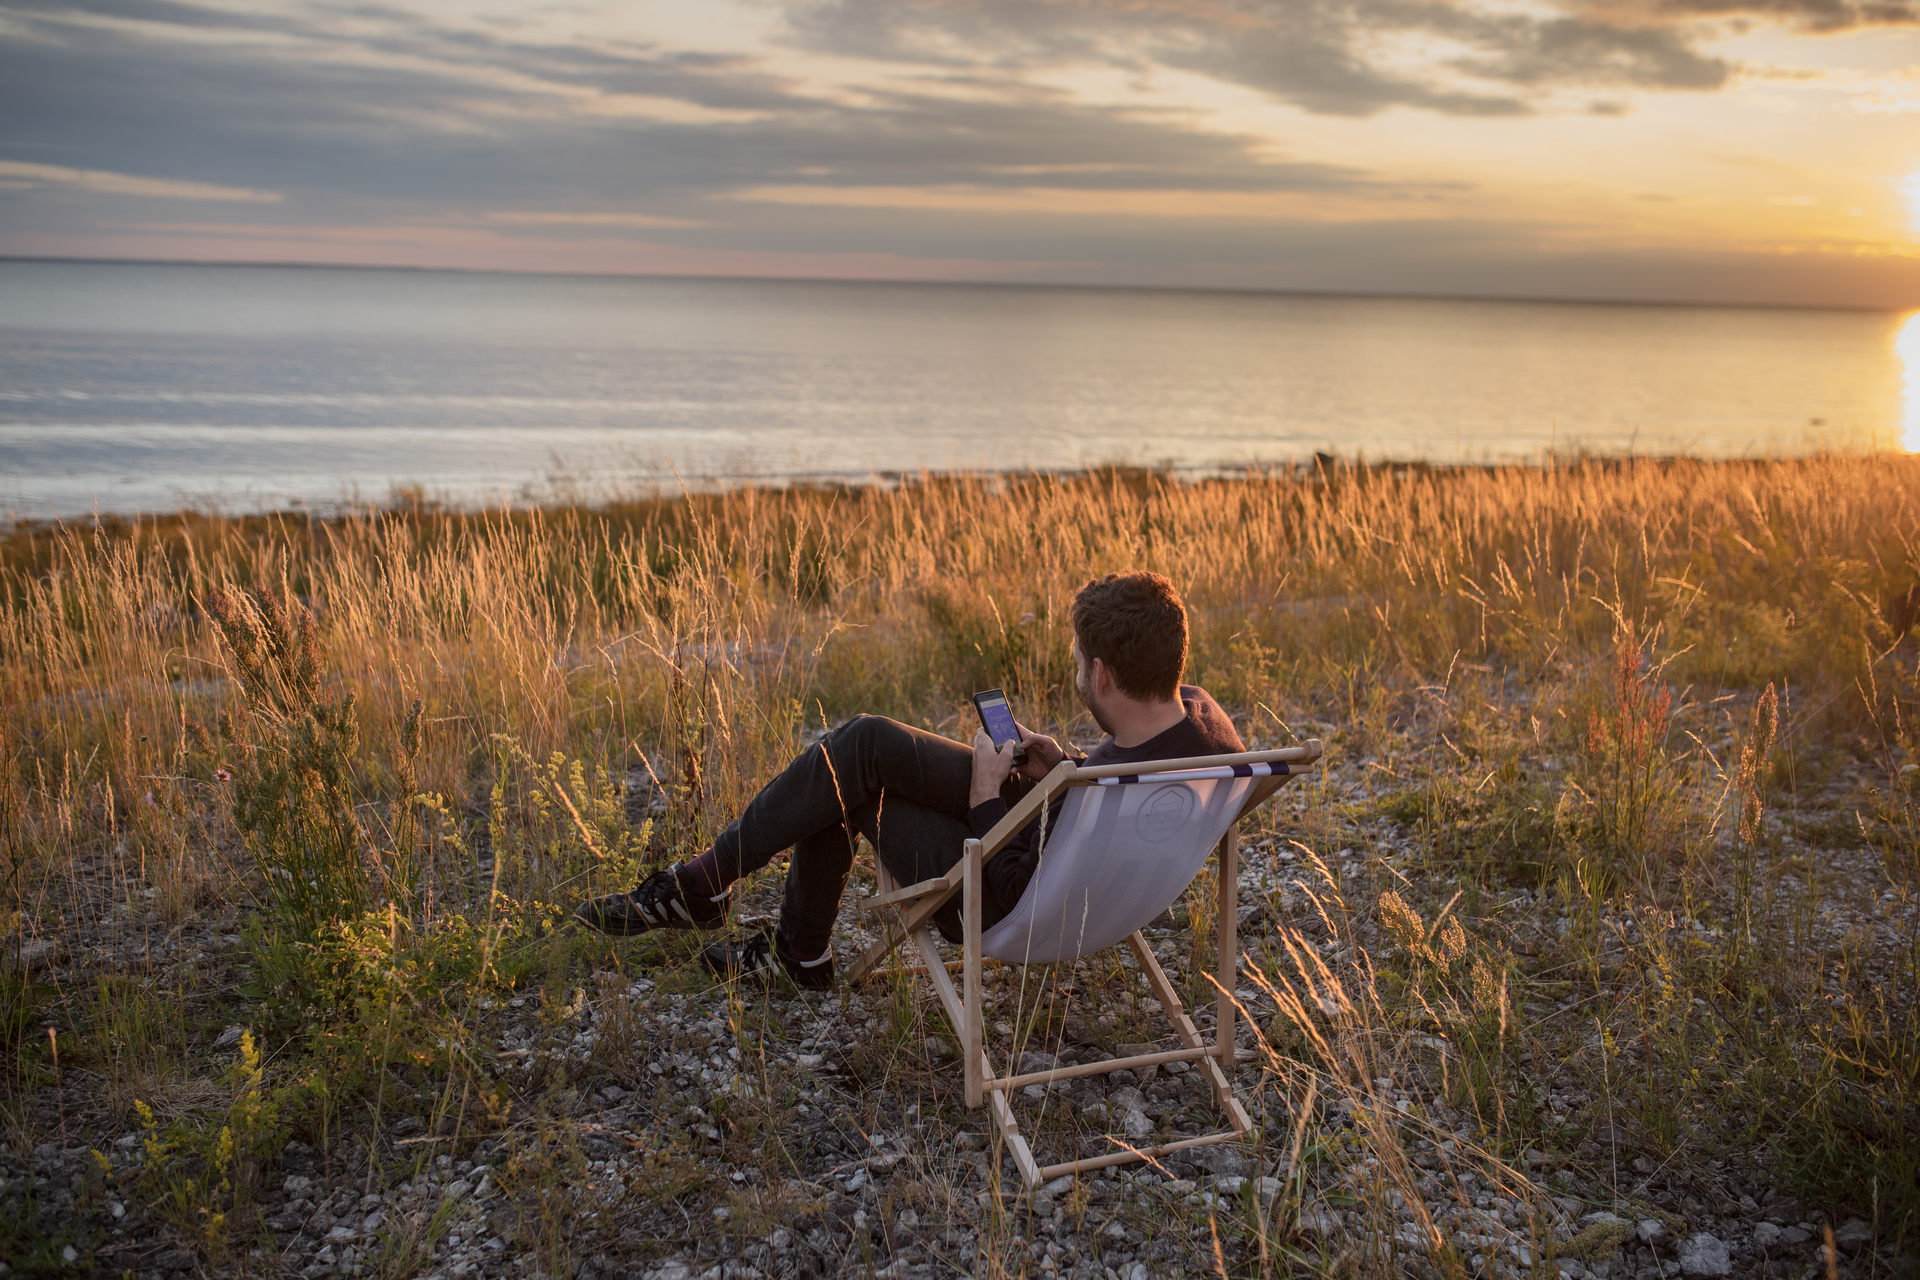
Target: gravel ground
[(652, 1124)]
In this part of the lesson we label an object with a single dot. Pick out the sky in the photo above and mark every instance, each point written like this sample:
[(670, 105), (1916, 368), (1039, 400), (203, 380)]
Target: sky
[(1747, 151)]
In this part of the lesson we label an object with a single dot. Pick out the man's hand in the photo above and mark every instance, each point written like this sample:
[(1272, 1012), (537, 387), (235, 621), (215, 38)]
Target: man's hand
[(1043, 753), (991, 768)]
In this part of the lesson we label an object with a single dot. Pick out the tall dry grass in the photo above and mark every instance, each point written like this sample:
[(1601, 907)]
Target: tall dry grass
[(1604, 616), (731, 618)]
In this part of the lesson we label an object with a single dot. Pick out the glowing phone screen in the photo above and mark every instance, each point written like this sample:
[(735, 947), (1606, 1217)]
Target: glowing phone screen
[(998, 718)]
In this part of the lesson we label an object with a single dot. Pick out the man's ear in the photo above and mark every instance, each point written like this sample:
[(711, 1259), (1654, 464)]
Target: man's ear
[(1102, 678)]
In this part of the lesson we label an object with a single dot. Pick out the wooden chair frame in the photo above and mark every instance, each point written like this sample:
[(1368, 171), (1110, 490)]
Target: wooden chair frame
[(909, 911)]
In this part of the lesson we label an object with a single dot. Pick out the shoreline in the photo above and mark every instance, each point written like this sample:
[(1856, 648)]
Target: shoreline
[(573, 495)]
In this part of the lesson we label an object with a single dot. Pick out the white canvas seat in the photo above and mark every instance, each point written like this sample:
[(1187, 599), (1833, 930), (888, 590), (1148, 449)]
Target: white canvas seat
[(1123, 852), (1128, 841)]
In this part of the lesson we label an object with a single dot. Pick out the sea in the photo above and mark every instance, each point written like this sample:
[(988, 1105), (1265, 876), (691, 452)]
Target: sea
[(130, 387)]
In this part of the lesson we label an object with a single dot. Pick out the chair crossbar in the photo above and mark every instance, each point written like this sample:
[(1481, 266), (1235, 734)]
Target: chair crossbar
[(1128, 1154), (1260, 769), (1305, 754), (907, 894), (1103, 1068)]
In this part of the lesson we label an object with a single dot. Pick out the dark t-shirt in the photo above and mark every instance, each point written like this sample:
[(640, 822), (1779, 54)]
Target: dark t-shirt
[(1205, 732)]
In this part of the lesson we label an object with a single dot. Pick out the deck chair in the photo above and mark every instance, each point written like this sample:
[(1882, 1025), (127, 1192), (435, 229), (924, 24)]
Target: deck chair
[(1128, 841)]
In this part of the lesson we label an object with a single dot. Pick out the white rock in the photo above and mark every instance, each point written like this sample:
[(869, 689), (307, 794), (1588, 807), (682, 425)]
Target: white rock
[(1229, 1184), (1652, 1232), (1059, 1186), (70, 1255), (852, 1185), (1269, 1187), (1570, 1269), (1705, 1255), (340, 1235), (1318, 1220), (1766, 1236), (1137, 1125), (1853, 1235), (296, 1185)]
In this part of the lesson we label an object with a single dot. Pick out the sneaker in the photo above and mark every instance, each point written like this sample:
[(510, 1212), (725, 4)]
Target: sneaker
[(659, 902), (760, 956)]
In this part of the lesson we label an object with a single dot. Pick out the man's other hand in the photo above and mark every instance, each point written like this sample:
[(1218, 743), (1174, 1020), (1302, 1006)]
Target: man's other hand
[(991, 767), (1043, 753)]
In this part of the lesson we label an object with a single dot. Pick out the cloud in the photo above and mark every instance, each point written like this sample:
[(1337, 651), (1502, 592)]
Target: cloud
[(17, 175), (1819, 16), (389, 112), (530, 219), (1336, 57)]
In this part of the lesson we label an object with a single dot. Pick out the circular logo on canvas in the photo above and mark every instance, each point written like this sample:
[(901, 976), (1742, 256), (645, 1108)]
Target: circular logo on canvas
[(1165, 812)]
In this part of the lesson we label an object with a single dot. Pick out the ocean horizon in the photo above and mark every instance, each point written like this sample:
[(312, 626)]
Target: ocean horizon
[(154, 386)]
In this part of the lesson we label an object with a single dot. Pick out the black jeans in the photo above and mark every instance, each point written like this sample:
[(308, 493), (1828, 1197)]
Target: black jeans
[(902, 788)]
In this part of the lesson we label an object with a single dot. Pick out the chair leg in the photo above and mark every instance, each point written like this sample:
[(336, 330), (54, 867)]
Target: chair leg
[(1226, 928), (997, 1098), (1189, 1034), (970, 1033)]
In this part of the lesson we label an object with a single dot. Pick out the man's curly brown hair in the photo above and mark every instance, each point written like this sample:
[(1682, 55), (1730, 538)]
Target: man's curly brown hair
[(1136, 624)]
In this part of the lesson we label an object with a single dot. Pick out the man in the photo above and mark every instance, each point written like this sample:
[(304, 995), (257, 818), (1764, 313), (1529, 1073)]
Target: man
[(918, 797)]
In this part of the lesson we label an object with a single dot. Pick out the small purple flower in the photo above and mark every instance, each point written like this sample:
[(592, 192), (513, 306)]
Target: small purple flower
[(222, 775), (150, 799)]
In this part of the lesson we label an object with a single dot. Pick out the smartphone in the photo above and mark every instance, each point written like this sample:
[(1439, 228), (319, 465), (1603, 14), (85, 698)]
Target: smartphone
[(997, 716)]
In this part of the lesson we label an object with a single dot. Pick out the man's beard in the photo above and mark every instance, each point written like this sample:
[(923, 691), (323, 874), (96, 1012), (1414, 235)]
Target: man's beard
[(1083, 685)]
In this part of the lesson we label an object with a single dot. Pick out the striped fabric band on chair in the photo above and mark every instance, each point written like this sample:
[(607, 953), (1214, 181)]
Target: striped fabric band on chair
[(1276, 768)]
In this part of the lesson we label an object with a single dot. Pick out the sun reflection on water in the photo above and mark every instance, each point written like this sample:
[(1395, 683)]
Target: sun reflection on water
[(1907, 344)]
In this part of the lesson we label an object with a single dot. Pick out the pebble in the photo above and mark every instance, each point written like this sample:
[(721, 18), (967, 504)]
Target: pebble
[(1318, 1220), (1704, 1255), (1853, 1235)]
